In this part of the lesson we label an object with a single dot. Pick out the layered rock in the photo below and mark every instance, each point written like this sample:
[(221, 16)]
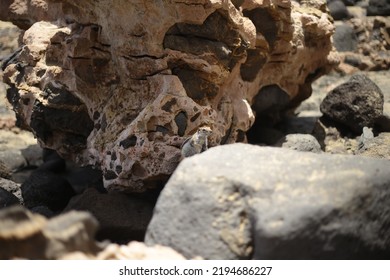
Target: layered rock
[(116, 88)]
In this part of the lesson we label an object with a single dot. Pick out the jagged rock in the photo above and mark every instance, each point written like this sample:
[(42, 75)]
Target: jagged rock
[(131, 88), (48, 189), (355, 104), (121, 217), (242, 201), (31, 236), (7, 199), (300, 142), (12, 187), (132, 251)]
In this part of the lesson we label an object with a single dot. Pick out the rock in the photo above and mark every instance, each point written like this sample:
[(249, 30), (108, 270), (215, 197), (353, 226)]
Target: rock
[(11, 145), (376, 146), (131, 89), (9, 35), (48, 189), (33, 155), (242, 201), (52, 161), (13, 188), (378, 8), (345, 38), (334, 140), (7, 199), (43, 210), (366, 136), (4, 170), (355, 104), (338, 10), (85, 177), (300, 142), (31, 236), (132, 251), (121, 217)]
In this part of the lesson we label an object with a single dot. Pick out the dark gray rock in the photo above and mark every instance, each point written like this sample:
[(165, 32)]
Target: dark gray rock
[(300, 142), (344, 38), (242, 201), (338, 10), (7, 199), (52, 161), (46, 188), (355, 104), (4, 171), (27, 235), (378, 8), (122, 217)]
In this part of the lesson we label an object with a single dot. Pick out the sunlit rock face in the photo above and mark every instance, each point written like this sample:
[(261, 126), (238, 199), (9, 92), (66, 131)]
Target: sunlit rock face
[(121, 84)]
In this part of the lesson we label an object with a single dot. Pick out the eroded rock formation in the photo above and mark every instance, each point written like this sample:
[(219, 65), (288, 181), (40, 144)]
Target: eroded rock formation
[(120, 84)]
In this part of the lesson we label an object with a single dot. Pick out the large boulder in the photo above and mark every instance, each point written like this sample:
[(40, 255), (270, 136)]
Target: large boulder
[(106, 84), (242, 201)]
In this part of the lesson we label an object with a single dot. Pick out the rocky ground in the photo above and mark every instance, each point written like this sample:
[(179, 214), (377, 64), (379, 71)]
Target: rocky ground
[(313, 185)]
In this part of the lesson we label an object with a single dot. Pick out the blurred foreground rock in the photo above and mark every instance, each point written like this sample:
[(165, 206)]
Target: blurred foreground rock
[(248, 202), (27, 235)]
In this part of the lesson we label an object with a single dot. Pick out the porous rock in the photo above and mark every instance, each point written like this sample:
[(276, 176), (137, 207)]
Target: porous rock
[(242, 201), (114, 88), (355, 104), (27, 235)]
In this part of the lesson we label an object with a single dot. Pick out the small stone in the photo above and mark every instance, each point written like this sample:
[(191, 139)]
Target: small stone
[(355, 104), (300, 142)]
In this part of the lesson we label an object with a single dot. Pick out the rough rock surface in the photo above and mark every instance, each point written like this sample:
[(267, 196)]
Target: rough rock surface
[(117, 89), (242, 201), (27, 235), (355, 104)]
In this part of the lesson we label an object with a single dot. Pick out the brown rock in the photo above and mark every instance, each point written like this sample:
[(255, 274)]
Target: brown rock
[(131, 88), (132, 251), (31, 236)]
